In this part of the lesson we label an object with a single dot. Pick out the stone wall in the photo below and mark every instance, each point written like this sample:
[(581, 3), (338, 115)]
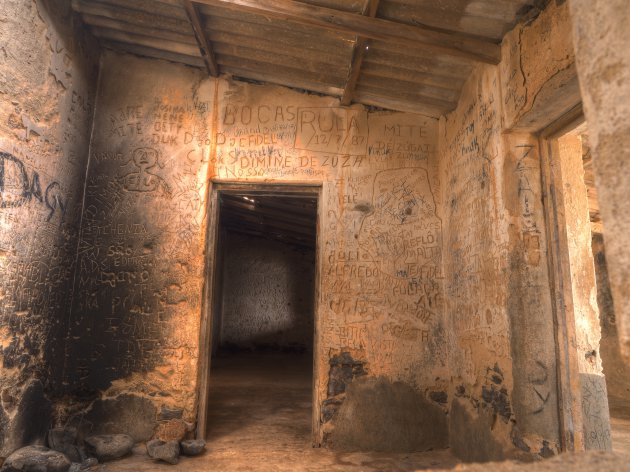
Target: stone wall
[(162, 131), (268, 299), (48, 76)]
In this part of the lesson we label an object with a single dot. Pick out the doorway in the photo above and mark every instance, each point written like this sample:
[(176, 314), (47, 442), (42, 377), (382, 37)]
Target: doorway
[(259, 319)]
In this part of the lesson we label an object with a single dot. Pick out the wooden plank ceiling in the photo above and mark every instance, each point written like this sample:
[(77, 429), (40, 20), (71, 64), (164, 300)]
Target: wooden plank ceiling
[(286, 218), (406, 55)]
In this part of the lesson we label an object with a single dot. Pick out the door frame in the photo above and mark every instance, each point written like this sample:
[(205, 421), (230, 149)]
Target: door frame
[(569, 397), (211, 291)]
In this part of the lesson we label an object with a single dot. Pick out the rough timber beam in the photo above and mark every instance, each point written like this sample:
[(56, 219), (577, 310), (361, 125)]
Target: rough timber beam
[(357, 56), (436, 42), (204, 44)]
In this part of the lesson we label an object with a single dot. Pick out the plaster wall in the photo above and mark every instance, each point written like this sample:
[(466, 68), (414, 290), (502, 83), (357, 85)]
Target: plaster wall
[(138, 290), (48, 76), (617, 372), (268, 298), (601, 42), (433, 287), (138, 296), (499, 303)]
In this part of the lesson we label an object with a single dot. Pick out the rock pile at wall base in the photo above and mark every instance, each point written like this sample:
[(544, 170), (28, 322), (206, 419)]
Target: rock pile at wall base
[(104, 447), (31, 458)]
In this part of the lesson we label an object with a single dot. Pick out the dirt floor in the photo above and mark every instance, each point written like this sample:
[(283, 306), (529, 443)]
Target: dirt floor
[(260, 420)]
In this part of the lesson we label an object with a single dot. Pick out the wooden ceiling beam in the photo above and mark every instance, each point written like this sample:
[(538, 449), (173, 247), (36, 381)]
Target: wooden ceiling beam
[(153, 53), (127, 15), (102, 22), (185, 49), (243, 218), (268, 214), (358, 52), (298, 241), (470, 47), (202, 40)]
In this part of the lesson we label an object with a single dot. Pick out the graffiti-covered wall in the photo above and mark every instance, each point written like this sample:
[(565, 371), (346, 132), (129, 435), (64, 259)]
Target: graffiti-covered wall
[(268, 300), (48, 77), (500, 298), (135, 317), (161, 133)]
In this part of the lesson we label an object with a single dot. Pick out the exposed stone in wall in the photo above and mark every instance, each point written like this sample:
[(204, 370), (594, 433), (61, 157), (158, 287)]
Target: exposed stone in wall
[(600, 32), (129, 413), (268, 299), (469, 438), (48, 76), (343, 371)]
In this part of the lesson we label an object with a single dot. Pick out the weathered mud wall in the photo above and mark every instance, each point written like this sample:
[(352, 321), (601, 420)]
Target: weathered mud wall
[(135, 318), (48, 75), (495, 265), (161, 132), (475, 260), (601, 42), (268, 301)]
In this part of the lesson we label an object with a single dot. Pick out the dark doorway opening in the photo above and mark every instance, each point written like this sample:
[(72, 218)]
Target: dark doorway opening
[(262, 317)]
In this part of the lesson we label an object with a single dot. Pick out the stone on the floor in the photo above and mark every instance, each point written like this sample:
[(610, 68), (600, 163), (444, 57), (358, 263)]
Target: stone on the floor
[(89, 463), (83, 466), (167, 451), (107, 447), (36, 459), (192, 447)]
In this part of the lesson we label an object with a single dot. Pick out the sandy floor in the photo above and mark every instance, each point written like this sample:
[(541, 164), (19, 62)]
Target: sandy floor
[(267, 428)]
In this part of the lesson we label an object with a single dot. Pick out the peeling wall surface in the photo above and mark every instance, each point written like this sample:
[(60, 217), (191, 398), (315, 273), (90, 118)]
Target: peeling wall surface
[(48, 76), (268, 297)]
